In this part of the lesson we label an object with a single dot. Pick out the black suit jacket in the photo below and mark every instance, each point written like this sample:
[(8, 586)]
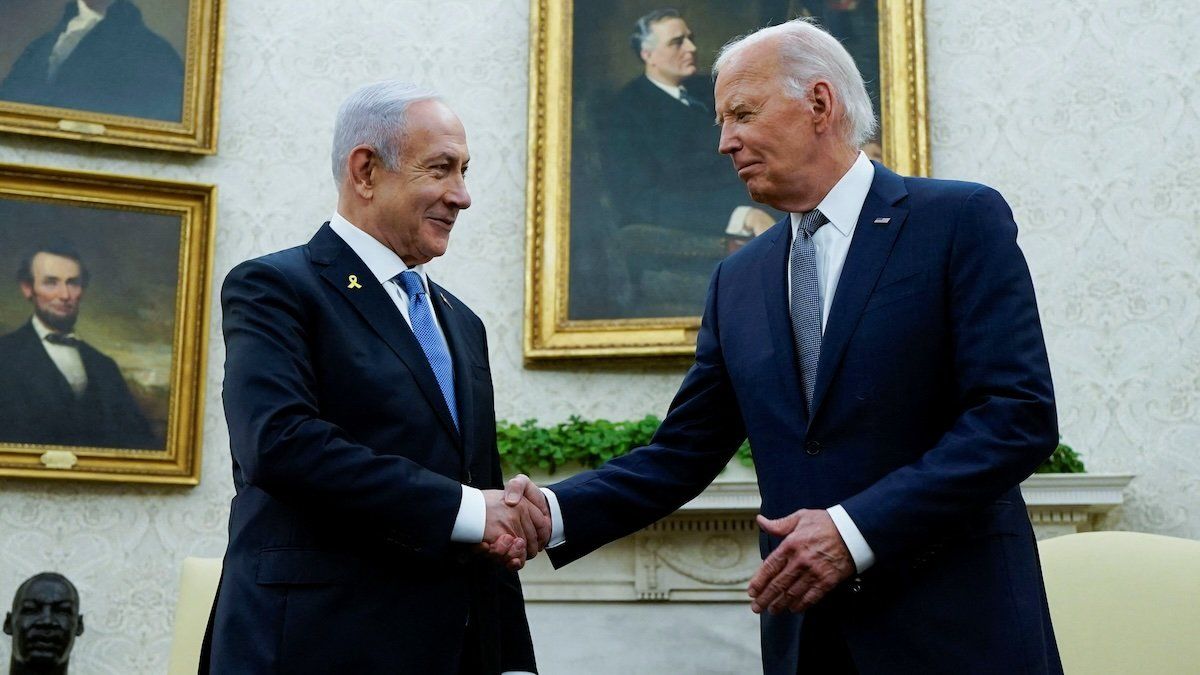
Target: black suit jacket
[(661, 161), (932, 402), (347, 467), (37, 405), (120, 67)]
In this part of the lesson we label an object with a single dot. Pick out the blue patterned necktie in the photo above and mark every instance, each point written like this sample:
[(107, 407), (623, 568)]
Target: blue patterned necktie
[(806, 302), (420, 315)]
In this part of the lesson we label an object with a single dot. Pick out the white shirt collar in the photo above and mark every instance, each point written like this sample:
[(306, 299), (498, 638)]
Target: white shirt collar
[(844, 202), (672, 91), (86, 16), (381, 260), (43, 330)]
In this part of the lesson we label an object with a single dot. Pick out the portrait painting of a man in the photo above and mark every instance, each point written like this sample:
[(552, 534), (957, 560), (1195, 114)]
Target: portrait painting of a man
[(85, 325), (654, 204), (116, 57)]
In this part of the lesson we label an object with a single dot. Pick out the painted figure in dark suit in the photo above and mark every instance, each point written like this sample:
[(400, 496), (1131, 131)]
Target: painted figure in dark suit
[(100, 57), (673, 195), (362, 426), (56, 389), (660, 141), (882, 350)]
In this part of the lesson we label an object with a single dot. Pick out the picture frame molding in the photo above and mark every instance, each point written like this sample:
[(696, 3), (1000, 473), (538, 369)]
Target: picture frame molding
[(179, 463), (195, 133)]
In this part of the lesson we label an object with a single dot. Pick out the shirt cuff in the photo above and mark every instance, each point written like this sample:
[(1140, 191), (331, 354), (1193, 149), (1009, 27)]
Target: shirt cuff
[(737, 222), (472, 516), (556, 522), (860, 551)]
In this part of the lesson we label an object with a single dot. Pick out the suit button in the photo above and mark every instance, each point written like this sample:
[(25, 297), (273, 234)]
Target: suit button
[(812, 447), (855, 585)]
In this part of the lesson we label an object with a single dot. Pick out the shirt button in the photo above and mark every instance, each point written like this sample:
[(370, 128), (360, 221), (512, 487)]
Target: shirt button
[(812, 447)]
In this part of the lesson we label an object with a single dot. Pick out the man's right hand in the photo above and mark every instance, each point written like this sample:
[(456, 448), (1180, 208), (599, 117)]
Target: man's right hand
[(514, 529), (758, 221), (520, 487)]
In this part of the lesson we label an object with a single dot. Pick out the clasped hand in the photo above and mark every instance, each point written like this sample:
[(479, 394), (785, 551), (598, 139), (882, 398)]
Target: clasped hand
[(518, 523), (810, 561)]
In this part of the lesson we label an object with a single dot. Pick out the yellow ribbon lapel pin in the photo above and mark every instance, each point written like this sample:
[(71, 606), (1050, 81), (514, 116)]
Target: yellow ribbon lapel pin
[(353, 279)]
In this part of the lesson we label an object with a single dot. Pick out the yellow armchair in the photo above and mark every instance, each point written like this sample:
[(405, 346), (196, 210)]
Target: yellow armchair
[(197, 589), (1124, 602)]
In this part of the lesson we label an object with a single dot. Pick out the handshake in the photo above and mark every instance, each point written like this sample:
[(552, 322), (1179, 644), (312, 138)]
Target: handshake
[(518, 523)]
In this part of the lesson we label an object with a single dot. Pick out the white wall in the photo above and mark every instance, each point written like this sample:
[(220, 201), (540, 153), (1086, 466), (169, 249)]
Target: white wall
[(1083, 114)]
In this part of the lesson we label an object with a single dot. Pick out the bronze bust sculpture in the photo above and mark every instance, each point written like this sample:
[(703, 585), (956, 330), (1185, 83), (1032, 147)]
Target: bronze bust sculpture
[(44, 622)]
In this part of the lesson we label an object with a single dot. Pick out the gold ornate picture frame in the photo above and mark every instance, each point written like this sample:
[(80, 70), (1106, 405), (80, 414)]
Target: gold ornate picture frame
[(146, 74), (601, 283), (104, 303)]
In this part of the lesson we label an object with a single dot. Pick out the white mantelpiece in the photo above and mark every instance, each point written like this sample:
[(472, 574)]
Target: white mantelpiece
[(708, 550)]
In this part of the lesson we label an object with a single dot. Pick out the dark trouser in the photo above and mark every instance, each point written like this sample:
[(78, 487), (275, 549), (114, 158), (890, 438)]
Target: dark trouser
[(823, 650), (471, 662)]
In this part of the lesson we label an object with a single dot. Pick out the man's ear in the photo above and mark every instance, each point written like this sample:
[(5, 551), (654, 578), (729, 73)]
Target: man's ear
[(79, 626), (8, 623), (360, 167), (821, 98), (27, 290)]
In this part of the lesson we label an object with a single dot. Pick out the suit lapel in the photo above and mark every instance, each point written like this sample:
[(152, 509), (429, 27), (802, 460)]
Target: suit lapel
[(379, 311), (775, 295), (458, 340), (868, 254)]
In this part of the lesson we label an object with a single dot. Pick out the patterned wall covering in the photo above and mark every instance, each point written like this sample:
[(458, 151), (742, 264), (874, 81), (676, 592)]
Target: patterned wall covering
[(1087, 120)]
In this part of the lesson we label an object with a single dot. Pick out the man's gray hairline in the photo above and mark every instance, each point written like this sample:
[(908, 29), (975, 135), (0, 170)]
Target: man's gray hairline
[(380, 122), (858, 128), (643, 29)]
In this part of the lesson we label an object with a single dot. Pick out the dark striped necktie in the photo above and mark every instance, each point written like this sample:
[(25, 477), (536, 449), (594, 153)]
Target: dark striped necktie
[(806, 302)]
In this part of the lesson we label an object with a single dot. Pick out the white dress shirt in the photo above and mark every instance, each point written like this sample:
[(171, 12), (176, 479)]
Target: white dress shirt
[(385, 266), (77, 28), (842, 207), (674, 91), (66, 357)]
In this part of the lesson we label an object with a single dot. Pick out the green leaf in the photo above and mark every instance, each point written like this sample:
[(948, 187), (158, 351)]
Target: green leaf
[(527, 445)]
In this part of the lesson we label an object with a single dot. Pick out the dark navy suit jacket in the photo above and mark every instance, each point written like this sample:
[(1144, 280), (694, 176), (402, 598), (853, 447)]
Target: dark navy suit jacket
[(933, 401), (347, 467)]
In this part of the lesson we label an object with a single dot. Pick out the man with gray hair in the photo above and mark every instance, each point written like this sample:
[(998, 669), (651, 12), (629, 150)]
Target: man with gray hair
[(881, 349), (362, 427)]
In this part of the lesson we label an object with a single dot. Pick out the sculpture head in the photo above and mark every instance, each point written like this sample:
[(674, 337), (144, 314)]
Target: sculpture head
[(43, 623)]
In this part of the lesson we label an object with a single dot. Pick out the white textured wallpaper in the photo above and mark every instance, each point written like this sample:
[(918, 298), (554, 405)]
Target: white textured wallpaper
[(1084, 115)]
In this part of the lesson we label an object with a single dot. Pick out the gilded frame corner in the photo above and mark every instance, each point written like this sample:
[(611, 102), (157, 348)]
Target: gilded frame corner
[(193, 205), (549, 334), (195, 132)]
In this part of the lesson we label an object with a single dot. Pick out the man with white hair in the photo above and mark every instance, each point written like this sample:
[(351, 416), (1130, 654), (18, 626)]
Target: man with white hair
[(881, 348), (363, 434)]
